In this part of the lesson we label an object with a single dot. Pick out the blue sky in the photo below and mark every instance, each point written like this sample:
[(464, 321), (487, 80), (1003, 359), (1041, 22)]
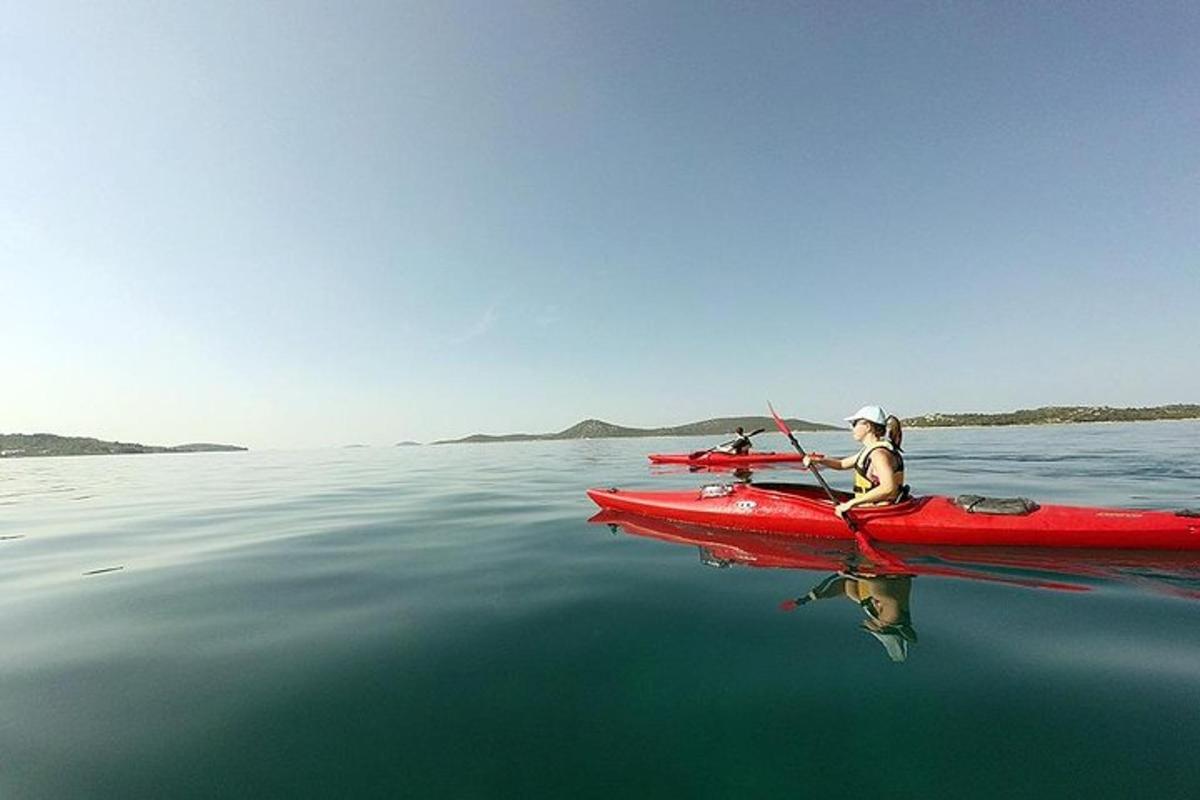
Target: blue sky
[(308, 224)]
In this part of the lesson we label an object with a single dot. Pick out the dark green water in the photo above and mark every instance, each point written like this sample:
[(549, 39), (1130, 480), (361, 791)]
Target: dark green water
[(443, 622)]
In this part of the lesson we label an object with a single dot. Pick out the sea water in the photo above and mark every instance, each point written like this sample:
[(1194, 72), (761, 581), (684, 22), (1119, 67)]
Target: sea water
[(444, 622)]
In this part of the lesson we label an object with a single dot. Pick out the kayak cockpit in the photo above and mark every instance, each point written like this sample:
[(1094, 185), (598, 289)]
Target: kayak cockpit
[(806, 491)]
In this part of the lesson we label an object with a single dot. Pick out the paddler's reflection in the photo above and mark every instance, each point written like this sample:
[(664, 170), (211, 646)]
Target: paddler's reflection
[(710, 559), (883, 598), (739, 474), (877, 583)]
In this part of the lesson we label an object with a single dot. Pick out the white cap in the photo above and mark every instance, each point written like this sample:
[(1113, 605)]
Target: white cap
[(870, 414)]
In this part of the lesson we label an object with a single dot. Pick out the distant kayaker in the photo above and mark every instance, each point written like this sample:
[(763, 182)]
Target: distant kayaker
[(878, 466), (738, 446)]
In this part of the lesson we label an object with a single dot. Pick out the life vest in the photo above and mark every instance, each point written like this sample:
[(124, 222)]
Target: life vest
[(864, 481)]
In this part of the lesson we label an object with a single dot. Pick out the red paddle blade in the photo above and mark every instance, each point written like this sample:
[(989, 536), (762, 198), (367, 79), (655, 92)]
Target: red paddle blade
[(779, 423), (876, 556), (788, 605)]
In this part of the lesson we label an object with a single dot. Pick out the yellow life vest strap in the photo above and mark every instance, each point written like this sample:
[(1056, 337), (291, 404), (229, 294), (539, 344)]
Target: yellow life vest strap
[(862, 464)]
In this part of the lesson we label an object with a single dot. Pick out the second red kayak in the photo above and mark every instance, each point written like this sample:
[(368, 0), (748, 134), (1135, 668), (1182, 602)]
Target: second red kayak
[(715, 459)]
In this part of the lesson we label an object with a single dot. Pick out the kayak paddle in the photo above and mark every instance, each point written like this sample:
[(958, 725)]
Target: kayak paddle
[(698, 453), (786, 431), (816, 593)]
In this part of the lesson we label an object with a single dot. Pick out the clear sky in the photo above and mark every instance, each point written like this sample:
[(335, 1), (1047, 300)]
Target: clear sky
[(295, 224)]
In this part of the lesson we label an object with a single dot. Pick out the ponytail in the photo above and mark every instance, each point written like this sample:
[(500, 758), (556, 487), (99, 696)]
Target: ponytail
[(894, 433)]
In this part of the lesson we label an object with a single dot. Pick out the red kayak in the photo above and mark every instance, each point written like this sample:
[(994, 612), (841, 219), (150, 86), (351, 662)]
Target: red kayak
[(715, 459), (804, 510)]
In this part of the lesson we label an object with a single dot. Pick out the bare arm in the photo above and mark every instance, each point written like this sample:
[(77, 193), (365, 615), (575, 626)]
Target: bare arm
[(829, 461)]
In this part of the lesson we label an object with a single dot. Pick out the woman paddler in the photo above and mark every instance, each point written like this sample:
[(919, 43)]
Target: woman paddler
[(878, 466)]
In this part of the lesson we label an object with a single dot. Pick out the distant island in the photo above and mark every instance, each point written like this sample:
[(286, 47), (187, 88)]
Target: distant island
[(598, 429), (723, 426), (1056, 415), (21, 445)]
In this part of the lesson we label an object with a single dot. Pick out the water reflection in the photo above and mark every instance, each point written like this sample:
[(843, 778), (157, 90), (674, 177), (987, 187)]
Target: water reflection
[(880, 582), (740, 474), (885, 599)]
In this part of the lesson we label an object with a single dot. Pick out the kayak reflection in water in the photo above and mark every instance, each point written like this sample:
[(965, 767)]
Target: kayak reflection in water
[(883, 598), (878, 466), (739, 474), (739, 446)]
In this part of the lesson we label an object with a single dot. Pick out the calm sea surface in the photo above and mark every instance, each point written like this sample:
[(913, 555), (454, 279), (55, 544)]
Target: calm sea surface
[(443, 622)]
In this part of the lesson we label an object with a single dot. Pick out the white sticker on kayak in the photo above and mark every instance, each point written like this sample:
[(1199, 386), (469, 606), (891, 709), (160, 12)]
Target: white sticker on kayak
[(745, 505)]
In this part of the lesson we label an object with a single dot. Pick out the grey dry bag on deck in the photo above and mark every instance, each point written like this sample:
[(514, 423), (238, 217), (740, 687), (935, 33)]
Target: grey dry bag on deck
[(1013, 506)]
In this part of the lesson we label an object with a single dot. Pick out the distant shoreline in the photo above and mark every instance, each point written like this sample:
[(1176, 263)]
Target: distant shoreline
[(723, 426), (908, 428), (1056, 415), (599, 429), (49, 445), (831, 429)]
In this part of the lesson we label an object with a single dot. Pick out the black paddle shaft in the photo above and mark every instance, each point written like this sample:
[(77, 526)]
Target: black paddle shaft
[(786, 431)]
